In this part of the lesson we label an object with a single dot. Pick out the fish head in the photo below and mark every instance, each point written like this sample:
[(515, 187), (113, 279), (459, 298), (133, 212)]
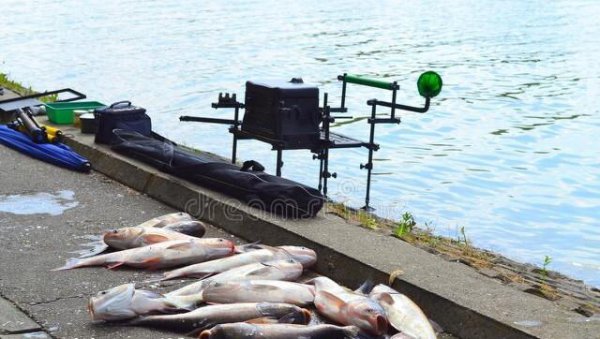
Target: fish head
[(304, 255), (291, 268), (121, 238), (368, 315), (113, 304)]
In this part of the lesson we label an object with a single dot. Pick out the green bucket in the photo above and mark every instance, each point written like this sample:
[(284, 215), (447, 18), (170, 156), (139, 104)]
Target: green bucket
[(62, 112)]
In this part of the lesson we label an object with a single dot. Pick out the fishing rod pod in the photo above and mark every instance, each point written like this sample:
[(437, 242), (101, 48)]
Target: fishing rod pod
[(287, 116)]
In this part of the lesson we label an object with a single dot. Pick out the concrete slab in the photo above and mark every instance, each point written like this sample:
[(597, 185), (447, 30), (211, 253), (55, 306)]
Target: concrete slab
[(12, 320), (29, 335), (462, 301), (33, 244)]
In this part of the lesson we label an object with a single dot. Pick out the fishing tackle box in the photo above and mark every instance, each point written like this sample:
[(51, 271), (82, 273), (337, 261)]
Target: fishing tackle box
[(120, 115), (283, 111)]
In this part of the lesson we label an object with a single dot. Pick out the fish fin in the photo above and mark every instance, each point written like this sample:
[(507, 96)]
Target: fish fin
[(248, 247), (186, 302), (202, 325), (262, 320), (436, 327), (70, 264), (302, 318), (115, 265), (328, 299), (154, 238), (151, 263), (385, 297), (366, 287), (183, 245), (149, 294)]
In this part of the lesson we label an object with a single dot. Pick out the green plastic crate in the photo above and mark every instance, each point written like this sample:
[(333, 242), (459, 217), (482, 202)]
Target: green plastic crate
[(62, 112)]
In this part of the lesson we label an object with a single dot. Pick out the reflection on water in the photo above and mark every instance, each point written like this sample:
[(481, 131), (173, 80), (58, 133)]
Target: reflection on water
[(508, 150)]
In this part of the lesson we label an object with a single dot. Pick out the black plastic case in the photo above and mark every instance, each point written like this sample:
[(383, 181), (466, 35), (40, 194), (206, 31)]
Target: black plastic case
[(284, 111)]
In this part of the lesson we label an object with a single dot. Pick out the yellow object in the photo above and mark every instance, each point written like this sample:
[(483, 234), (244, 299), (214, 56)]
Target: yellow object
[(53, 134)]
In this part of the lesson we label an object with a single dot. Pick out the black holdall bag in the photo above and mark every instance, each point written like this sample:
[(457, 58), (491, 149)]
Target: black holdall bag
[(280, 196), (120, 115)]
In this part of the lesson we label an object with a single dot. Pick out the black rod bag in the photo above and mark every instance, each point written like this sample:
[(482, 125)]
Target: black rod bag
[(277, 195)]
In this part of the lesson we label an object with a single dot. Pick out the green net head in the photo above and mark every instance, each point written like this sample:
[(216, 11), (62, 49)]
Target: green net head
[(429, 84)]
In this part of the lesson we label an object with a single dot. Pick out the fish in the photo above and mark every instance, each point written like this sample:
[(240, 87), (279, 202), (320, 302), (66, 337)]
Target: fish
[(349, 308), (166, 227), (161, 255), (212, 315), (288, 269), (132, 237), (305, 256), (125, 302), (279, 331), (403, 314), (274, 291)]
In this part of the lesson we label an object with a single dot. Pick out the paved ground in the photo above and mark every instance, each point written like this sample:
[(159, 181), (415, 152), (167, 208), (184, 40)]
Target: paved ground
[(32, 244)]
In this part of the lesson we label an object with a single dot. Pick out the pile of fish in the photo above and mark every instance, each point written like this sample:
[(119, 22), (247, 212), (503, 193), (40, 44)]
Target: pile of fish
[(245, 291)]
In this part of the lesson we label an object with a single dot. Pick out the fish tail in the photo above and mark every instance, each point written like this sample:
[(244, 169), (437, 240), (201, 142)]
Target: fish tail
[(96, 248), (70, 264)]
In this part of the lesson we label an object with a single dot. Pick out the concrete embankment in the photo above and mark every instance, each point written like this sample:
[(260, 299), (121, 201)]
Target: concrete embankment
[(462, 301)]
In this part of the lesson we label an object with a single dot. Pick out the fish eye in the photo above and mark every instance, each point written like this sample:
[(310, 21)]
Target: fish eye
[(115, 231), (220, 240), (103, 293)]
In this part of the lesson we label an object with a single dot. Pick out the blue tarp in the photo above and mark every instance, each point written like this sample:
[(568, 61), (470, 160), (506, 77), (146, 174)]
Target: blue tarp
[(58, 154)]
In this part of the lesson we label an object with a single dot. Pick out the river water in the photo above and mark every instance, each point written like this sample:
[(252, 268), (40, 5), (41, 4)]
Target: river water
[(508, 150)]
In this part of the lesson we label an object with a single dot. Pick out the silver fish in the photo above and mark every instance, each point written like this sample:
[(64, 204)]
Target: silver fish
[(304, 255), (132, 237), (349, 308), (279, 331), (288, 269), (402, 313), (274, 291), (212, 315), (170, 222), (160, 255), (125, 302)]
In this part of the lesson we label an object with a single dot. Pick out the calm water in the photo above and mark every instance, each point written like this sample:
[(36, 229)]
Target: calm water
[(509, 149)]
